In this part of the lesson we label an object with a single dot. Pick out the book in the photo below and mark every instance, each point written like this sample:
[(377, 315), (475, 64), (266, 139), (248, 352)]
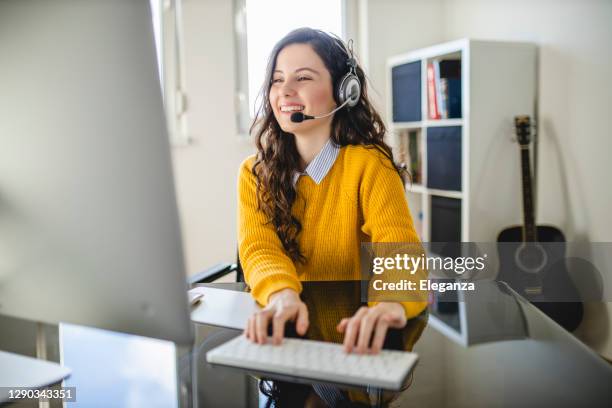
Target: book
[(450, 68), (431, 92), (438, 88), (414, 155), (454, 97), (450, 74), (444, 99)]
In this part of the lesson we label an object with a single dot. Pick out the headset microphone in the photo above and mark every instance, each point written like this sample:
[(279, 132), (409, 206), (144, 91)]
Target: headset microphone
[(298, 117)]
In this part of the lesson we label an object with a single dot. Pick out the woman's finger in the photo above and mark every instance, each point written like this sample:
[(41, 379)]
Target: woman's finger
[(380, 333), (278, 326), (249, 327), (252, 329), (342, 325), (366, 329), (352, 329), (261, 326), (302, 321)]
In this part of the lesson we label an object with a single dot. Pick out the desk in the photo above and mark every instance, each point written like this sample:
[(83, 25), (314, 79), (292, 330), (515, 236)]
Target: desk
[(544, 366)]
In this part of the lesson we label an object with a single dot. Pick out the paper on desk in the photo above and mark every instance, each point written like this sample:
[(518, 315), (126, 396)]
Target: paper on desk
[(224, 308)]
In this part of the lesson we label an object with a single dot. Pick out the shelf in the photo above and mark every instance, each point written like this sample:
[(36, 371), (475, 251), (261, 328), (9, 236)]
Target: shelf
[(448, 48), (406, 125), (415, 188), (420, 189), (453, 55), (426, 123), (445, 193), (442, 122)]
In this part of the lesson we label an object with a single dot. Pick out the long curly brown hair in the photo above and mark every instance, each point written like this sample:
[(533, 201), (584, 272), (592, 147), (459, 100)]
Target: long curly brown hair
[(277, 157)]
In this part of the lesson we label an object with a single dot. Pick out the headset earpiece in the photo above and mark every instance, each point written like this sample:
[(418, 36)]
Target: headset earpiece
[(349, 89), (350, 86)]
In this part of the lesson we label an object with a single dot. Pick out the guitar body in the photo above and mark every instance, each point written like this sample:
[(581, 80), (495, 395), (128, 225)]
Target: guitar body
[(556, 281), (545, 233), (532, 267)]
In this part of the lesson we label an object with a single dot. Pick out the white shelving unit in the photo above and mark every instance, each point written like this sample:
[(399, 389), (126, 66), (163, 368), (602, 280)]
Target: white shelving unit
[(498, 82)]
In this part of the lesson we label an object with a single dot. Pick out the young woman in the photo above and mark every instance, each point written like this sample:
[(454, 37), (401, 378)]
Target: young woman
[(315, 190)]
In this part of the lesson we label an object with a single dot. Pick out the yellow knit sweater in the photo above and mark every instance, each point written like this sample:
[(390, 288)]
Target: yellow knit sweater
[(361, 199)]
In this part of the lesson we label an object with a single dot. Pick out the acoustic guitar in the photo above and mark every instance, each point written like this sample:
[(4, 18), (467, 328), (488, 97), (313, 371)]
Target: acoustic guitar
[(533, 267)]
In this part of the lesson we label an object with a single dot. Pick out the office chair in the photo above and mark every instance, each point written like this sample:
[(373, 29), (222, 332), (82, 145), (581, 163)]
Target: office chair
[(215, 272)]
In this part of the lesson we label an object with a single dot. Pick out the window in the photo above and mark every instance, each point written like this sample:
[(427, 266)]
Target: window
[(259, 25), (166, 15), (157, 22)]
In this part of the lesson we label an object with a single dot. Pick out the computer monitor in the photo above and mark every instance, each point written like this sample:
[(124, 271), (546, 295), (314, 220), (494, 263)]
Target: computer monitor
[(89, 227)]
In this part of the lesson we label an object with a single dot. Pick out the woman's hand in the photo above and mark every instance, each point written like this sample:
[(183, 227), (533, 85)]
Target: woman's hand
[(283, 305), (368, 322)]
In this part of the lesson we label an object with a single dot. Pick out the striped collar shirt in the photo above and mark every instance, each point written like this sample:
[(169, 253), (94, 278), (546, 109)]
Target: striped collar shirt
[(321, 164)]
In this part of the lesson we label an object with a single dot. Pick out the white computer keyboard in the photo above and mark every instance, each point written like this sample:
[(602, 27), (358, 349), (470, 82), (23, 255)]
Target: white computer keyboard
[(317, 360)]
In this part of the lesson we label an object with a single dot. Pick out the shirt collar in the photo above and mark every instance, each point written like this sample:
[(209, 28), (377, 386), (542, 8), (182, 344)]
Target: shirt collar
[(321, 164)]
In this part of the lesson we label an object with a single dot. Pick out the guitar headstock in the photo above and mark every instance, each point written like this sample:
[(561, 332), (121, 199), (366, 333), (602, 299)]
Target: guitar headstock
[(522, 126)]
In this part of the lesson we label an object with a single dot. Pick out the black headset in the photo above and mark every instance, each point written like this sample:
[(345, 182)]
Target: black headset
[(350, 86)]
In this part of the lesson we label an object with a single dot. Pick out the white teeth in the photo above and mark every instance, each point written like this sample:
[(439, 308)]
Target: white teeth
[(291, 108)]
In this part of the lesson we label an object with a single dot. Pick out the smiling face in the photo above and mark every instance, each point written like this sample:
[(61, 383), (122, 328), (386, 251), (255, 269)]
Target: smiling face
[(301, 83)]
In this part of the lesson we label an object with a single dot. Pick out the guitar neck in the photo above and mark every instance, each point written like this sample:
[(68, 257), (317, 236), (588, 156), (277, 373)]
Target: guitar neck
[(529, 227)]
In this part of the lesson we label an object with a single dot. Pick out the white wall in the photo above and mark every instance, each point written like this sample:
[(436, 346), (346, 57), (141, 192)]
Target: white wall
[(394, 27), (206, 172), (575, 84)]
